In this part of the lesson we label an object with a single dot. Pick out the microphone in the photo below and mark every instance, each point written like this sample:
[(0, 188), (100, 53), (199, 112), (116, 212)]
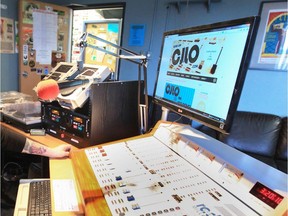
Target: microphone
[(48, 90)]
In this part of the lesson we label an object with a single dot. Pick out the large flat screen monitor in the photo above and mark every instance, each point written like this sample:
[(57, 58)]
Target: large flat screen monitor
[(202, 70)]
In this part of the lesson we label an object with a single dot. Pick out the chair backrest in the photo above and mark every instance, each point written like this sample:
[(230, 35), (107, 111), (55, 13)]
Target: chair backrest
[(281, 150), (255, 133)]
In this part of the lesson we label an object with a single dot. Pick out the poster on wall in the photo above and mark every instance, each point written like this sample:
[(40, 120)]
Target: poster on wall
[(270, 50), (16, 37), (137, 35), (7, 35), (28, 8)]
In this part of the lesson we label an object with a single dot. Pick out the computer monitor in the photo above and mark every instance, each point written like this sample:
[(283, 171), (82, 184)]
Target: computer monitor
[(202, 69)]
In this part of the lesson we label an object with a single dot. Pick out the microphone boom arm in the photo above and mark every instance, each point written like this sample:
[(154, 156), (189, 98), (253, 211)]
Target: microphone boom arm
[(133, 56), (141, 60)]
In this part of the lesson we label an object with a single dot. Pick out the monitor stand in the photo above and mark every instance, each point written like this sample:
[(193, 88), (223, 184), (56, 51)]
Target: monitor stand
[(165, 113)]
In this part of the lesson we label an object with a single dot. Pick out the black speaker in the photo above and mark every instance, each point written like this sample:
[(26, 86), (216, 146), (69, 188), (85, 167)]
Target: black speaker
[(114, 110), (111, 113)]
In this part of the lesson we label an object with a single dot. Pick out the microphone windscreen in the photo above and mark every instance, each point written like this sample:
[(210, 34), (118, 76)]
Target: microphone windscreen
[(47, 90)]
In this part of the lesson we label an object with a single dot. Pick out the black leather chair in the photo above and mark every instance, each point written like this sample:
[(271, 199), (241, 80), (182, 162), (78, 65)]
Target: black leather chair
[(260, 135), (256, 134), (281, 150)]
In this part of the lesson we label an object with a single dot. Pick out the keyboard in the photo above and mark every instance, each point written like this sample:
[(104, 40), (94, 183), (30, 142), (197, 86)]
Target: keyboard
[(39, 201)]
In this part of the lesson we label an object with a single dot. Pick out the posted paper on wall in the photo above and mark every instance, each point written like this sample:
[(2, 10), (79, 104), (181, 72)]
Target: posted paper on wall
[(44, 35)]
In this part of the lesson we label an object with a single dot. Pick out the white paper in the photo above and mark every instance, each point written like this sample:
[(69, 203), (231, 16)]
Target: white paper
[(44, 35), (64, 193)]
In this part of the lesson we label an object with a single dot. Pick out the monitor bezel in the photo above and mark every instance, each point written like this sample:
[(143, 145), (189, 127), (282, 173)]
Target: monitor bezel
[(193, 115)]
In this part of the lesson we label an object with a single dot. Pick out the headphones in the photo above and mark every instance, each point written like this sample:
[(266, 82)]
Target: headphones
[(12, 172)]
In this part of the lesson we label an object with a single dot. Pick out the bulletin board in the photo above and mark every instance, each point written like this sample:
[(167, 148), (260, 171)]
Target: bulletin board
[(44, 40), (108, 30)]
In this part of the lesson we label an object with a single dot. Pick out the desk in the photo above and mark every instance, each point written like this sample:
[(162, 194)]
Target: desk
[(92, 195), (59, 168), (46, 140), (208, 167), (220, 167)]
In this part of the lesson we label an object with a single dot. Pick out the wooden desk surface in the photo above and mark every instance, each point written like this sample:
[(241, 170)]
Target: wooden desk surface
[(59, 168), (46, 140), (91, 201), (92, 196)]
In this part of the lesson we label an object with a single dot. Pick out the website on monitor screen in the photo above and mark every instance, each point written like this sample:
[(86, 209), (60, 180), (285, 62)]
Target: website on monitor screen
[(199, 70)]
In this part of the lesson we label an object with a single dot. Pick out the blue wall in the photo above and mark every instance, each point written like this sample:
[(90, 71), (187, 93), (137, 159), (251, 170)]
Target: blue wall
[(264, 91), (9, 62)]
